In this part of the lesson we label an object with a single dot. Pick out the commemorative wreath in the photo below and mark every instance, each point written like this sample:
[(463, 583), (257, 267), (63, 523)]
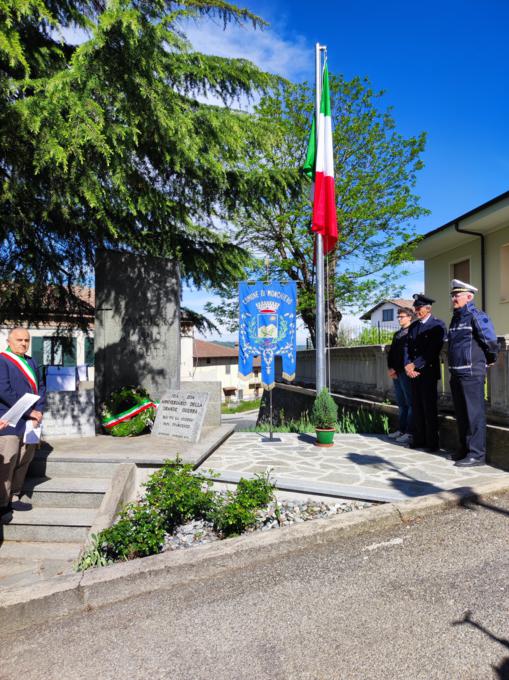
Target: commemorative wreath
[(128, 412)]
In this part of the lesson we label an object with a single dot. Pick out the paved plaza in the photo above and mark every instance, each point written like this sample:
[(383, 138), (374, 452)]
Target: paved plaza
[(368, 467)]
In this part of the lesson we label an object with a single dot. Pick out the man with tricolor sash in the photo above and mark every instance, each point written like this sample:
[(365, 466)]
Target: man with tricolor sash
[(19, 374)]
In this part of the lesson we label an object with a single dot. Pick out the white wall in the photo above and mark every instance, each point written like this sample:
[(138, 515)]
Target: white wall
[(377, 316), (49, 332)]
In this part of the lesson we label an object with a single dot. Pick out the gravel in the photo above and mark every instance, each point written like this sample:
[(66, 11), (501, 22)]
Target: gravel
[(276, 515)]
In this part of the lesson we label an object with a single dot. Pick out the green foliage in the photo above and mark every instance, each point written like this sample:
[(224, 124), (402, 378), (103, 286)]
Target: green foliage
[(362, 421), (375, 175), (324, 413), (177, 495), (241, 407), (139, 532), (375, 336), (349, 421), (108, 143), (296, 426), (234, 513), (231, 518), (93, 556), (256, 492), (122, 400)]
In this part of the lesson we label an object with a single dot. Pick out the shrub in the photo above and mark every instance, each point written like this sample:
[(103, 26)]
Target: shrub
[(139, 532), (230, 516), (178, 495), (234, 513), (324, 414), (255, 493)]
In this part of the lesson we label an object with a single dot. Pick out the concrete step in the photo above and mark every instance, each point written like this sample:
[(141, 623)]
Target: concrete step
[(29, 550), (49, 525), (47, 465), (65, 492), (23, 564)]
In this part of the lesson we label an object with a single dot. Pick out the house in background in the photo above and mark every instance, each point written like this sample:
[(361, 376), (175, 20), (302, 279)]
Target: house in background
[(474, 248), (66, 353), (56, 345), (384, 314), (203, 360)]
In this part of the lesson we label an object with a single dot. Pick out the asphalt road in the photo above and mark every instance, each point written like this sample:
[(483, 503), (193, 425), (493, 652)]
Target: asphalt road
[(242, 421), (426, 600)]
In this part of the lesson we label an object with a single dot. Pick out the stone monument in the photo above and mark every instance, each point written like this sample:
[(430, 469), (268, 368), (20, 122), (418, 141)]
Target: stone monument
[(180, 415), (137, 323)]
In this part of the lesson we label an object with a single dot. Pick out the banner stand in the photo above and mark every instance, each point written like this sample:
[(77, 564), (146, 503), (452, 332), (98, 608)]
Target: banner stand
[(270, 439)]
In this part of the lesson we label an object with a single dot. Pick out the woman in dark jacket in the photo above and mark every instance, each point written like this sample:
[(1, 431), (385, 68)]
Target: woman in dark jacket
[(401, 381)]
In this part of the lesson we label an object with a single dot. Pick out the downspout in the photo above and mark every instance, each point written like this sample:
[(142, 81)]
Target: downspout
[(483, 268)]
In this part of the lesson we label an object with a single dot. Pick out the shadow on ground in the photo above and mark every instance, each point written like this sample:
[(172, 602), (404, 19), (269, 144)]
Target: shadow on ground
[(502, 671)]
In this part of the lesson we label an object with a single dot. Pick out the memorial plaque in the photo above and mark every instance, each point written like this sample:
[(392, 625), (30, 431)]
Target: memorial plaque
[(180, 415)]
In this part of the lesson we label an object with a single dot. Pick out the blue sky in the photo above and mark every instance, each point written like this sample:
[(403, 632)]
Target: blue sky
[(443, 65)]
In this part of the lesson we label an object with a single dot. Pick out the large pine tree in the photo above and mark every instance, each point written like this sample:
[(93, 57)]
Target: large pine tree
[(107, 139)]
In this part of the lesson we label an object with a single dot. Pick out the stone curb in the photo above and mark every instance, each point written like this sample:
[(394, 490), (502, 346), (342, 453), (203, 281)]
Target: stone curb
[(64, 595)]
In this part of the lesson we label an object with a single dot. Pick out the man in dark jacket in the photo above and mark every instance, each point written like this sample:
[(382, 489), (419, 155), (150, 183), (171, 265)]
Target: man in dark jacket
[(18, 375), (422, 365), (472, 347)]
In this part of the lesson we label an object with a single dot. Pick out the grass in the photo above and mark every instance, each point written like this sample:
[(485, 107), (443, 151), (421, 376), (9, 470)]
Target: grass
[(240, 408), (359, 421)]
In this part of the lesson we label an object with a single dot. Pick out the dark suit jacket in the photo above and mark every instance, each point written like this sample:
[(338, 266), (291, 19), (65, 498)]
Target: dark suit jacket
[(14, 385), (424, 342)]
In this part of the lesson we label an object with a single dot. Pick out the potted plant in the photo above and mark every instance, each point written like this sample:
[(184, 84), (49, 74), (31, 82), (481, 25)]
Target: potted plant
[(324, 417)]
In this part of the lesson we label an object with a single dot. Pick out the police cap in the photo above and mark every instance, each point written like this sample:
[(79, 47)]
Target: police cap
[(458, 286), (420, 300)]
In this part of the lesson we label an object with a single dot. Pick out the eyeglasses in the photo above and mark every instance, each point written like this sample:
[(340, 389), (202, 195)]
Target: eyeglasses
[(455, 295)]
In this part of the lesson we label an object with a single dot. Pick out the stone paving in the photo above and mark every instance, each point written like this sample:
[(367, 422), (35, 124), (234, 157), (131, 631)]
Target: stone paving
[(369, 467)]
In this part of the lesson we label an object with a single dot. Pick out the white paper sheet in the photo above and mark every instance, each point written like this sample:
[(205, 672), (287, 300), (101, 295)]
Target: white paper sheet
[(13, 415), (32, 433)]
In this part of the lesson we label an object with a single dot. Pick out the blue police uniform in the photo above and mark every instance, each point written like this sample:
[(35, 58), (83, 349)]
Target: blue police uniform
[(472, 345), (424, 342)]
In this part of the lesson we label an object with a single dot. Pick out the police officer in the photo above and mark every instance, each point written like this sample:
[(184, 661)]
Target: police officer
[(472, 346), (422, 364)]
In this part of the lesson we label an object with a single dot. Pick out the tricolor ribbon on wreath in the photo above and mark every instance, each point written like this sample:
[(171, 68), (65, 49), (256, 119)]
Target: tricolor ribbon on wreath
[(267, 328), (128, 414)]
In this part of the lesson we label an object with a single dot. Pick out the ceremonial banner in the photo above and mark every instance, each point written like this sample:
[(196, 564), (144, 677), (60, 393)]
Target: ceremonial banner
[(267, 328)]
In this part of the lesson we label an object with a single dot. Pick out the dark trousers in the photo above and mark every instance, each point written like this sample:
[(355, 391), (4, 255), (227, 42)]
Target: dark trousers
[(403, 390), (425, 411), (468, 399)]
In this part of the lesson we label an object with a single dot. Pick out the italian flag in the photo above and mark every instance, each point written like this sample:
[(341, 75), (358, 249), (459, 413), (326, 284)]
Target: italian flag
[(319, 166)]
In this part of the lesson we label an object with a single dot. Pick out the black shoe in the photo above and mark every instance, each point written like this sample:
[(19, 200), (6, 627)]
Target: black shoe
[(455, 456), (416, 445), (470, 461), (20, 506), (432, 449)]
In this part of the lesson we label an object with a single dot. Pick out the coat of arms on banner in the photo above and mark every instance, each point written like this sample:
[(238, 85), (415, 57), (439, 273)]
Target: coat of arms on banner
[(267, 328)]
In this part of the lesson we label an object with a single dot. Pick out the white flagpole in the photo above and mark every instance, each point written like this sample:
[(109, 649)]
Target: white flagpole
[(320, 297)]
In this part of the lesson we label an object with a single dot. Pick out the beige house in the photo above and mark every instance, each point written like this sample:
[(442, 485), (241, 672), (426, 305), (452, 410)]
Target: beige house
[(474, 247), (203, 361)]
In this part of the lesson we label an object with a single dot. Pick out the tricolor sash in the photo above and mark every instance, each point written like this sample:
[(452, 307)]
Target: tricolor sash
[(22, 364), (126, 415)]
